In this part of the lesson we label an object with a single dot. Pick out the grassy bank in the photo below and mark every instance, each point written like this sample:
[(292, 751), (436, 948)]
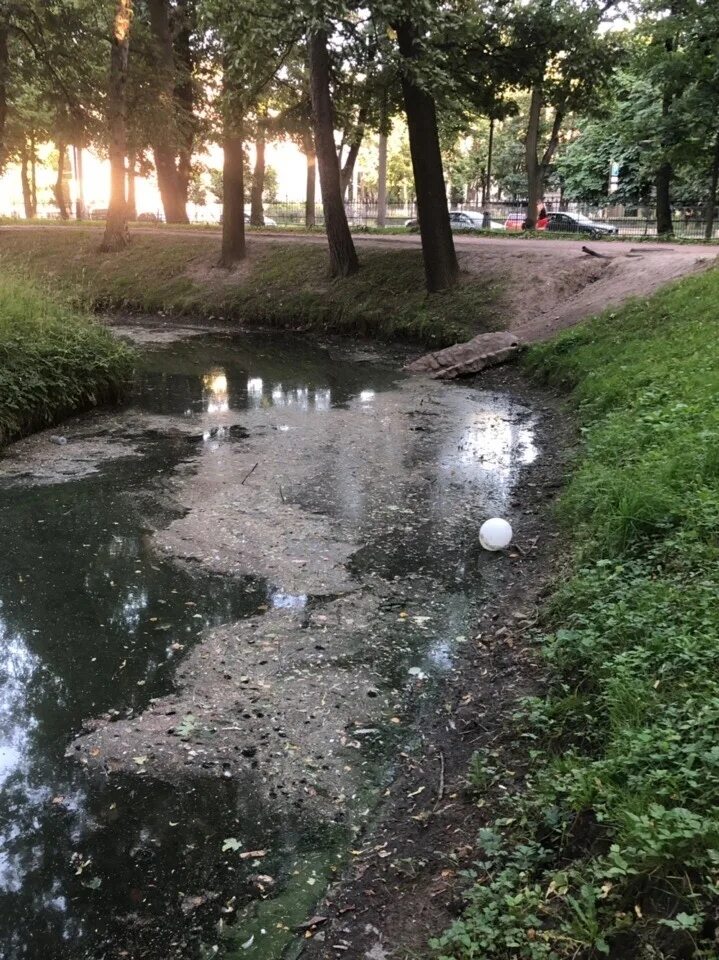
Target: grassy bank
[(612, 846), (53, 360), (282, 284)]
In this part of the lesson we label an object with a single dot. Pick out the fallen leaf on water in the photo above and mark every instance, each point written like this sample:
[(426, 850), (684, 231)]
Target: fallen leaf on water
[(230, 844)]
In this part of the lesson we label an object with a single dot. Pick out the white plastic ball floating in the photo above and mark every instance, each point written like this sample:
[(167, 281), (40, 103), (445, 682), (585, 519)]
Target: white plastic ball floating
[(495, 534)]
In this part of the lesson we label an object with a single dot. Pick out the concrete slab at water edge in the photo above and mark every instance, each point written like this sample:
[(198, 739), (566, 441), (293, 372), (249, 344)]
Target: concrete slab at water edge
[(464, 359)]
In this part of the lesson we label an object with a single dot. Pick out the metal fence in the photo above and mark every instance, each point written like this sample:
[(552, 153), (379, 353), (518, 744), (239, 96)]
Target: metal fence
[(364, 214)]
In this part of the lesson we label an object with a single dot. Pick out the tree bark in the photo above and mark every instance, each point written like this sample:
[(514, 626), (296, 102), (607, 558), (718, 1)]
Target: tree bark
[(33, 175), (257, 212), (172, 174), (343, 256), (116, 234), (311, 181), (536, 168), (665, 227), (440, 260), (59, 188), (348, 169), (79, 174), (131, 191), (714, 186), (4, 77), (234, 247), (382, 181), (487, 183), (25, 180)]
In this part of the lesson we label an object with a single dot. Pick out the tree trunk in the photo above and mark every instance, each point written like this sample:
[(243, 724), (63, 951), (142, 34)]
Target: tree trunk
[(665, 226), (59, 188), (185, 98), (487, 183), (382, 181), (79, 175), (234, 247), (536, 168), (33, 175), (343, 256), (348, 169), (131, 192), (440, 260), (712, 202), (25, 180), (4, 78), (116, 235), (257, 213), (311, 187), (166, 139)]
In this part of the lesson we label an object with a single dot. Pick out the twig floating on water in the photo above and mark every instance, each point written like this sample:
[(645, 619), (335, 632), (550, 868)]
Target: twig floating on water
[(248, 475)]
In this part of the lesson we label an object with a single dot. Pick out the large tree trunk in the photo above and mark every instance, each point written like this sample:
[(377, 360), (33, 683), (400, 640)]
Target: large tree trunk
[(665, 227), (172, 178), (59, 188), (440, 260), (257, 212), (116, 235), (4, 78), (382, 180), (311, 183), (536, 168), (25, 180), (343, 256), (714, 185), (234, 247), (131, 191), (185, 97)]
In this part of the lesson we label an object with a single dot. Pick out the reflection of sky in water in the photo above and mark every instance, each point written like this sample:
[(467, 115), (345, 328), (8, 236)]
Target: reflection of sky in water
[(288, 601), (215, 394), (17, 665)]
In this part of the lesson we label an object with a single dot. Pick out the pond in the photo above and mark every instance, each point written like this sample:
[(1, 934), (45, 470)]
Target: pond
[(221, 608)]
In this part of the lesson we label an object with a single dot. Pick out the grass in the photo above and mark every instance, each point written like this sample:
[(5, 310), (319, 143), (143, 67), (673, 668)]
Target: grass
[(612, 846), (281, 285), (53, 360)]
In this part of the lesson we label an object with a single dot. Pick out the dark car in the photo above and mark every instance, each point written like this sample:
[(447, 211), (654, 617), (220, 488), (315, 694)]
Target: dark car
[(578, 223)]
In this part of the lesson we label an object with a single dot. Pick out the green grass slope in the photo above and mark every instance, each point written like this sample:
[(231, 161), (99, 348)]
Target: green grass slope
[(53, 360), (612, 847)]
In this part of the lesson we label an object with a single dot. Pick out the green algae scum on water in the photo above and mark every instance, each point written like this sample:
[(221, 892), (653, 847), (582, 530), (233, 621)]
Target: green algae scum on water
[(220, 608)]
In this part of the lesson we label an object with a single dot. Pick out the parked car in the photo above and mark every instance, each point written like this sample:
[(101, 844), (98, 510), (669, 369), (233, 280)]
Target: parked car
[(515, 221), (578, 223), (99, 213), (462, 220), (269, 222)]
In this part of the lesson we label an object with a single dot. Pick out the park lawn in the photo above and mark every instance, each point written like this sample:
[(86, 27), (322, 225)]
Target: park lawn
[(612, 846), (54, 360), (282, 284)]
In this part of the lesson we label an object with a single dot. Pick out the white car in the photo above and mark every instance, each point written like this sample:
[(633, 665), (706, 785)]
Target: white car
[(463, 220)]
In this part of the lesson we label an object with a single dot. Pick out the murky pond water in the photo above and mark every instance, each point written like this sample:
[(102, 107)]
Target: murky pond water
[(289, 521)]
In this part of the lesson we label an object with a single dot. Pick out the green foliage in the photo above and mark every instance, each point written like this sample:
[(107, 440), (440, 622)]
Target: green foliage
[(625, 795), (53, 361)]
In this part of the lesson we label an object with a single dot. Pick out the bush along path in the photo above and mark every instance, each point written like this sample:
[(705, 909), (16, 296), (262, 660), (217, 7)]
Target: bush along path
[(612, 846), (54, 361)]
